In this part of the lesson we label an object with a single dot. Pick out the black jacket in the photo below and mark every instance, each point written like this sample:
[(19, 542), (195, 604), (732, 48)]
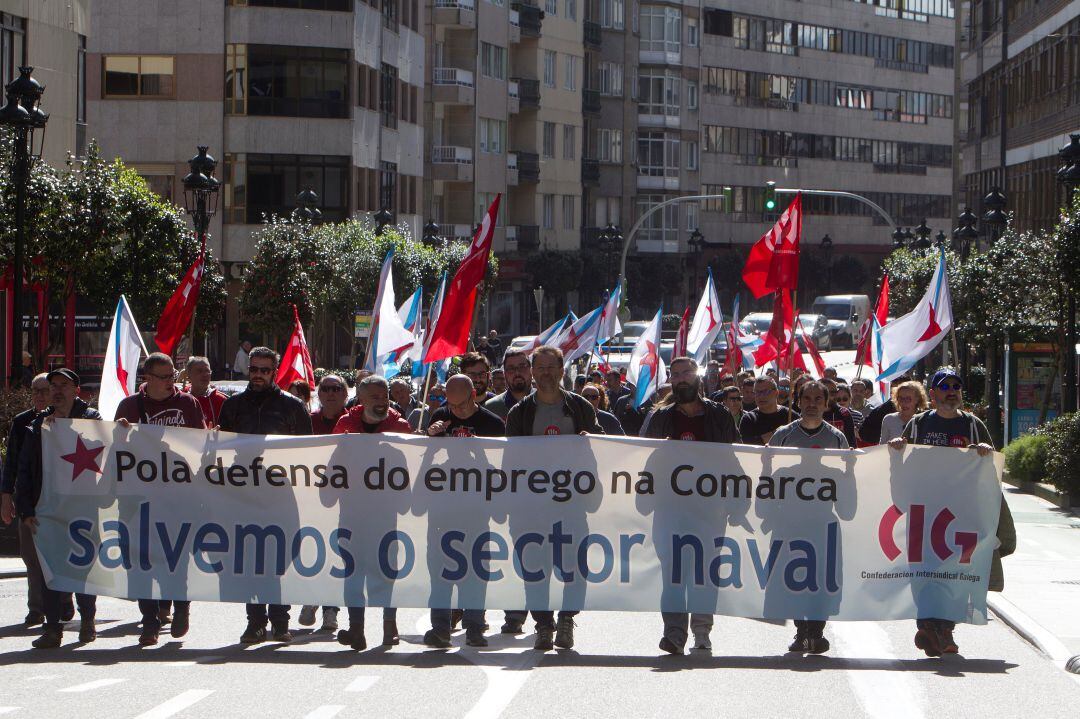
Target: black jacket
[(719, 424), (631, 419), (28, 484), (268, 412), (519, 420), (19, 425), (870, 431)]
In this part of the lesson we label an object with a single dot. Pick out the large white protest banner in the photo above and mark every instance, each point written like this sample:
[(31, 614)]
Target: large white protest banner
[(546, 523)]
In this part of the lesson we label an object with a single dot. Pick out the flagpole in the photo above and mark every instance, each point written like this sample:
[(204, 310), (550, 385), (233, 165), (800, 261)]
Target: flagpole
[(423, 403), (791, 350)]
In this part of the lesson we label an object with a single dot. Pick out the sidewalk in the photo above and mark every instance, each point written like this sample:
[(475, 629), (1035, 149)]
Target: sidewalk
[(1042, 578), (11, 567)]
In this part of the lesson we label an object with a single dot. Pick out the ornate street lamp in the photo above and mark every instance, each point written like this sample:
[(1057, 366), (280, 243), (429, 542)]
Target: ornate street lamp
[(995, 218), (898, 238), (431, 233), (307, 209), (382, 218), (826, 247), (24, 116), (922, 233), (940, 239), (1069, 175), (966, 232), (201, 191), (696, 245), (1069, 172)]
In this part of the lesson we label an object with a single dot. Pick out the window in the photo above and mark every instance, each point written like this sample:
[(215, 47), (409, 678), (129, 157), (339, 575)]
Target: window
[(139, 76), (691, 32), (286, 81), (691, 155), (658, 154), (659, 226), (658, 93), (388, 185), (338, 5), (80, 99), (569, 212), (12, 46), (692, 95), (388, 85), (492, 136), (549, 68), (613, 14), (611, 78), (390, 14), (609, 145), (661, 29), (493, 61), (569, 142), (551, 7), (608, 211), (273, 182), (570, 78), (483, 202), (692, 214), (549, 140), (548, 212), (571, 10)]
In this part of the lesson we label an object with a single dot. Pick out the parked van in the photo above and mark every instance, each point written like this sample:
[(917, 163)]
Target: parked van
[(845, 314)]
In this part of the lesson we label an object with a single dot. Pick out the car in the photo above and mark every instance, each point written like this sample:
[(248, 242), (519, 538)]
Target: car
[(521, 342), (845, 314), (817, 326), (757, 322)]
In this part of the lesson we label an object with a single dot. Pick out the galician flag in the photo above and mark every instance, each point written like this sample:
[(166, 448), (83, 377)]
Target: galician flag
[(551, 335), (411, 312), (416, 352), (582, 336), (908, 339), (609, 319), (120, 372), (707, 325), (388, 333), (646, 370), (296, 362)]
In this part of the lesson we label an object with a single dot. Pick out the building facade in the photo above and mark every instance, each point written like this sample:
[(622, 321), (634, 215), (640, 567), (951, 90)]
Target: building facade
[(1019, 94)]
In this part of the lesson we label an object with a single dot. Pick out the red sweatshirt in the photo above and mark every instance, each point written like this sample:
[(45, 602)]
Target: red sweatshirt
[(353, 421)]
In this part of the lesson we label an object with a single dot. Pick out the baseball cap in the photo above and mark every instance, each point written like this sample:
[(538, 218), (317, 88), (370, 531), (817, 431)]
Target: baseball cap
[(943, 374), (64, 372)]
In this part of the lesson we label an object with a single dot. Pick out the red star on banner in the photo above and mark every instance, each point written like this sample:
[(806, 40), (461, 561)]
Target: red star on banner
[(933, 330), (83, 458)]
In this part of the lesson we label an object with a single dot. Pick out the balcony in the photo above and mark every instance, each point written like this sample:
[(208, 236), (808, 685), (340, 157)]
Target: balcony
[(658, 182), (513, 107), (450, 163), (456, 232), (527, 237), (515, 26), (454, 13), (528, 93), (453, 86), (590, 171), (528, 166), (592, 35), (530, 19), (590, 102), (511, 169)]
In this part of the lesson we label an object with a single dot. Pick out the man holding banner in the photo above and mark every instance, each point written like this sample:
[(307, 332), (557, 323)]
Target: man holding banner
[(263, 408)]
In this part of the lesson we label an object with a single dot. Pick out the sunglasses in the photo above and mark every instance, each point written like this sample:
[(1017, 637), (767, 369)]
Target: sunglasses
[(950, 386), (260, 370), (436, 397), (332, 388), (170, 376)]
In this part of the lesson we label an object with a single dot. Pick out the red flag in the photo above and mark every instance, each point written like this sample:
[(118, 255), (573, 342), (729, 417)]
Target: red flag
[(863, 354), (679, 350), (296, 363), (819, 363), (733, 360), (773, 263), (780, 330), (451, 334), (176, 317)]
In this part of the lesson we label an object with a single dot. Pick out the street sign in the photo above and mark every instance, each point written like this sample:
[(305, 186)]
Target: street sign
[(362, 325), (1032, 367)]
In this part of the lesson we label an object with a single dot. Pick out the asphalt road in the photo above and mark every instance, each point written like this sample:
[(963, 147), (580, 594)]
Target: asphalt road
[(616, 670)]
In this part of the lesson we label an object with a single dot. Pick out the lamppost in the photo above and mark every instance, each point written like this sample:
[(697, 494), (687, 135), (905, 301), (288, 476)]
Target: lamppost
[(966, 233), (1069, 176), (307, 206), (200, 201), (826, 252), (940, 239), (611, 241), (431, 233), (995, 218), (898, 238), (24, 116), (922, 233), (382, 218), (696, 245)]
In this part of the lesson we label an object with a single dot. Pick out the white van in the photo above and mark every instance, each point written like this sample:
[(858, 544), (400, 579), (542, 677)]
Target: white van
[(845, 314)]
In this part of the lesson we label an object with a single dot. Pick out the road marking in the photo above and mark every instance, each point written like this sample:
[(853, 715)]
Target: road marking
[(325, 712), (361, 684), (90, 686), (177, 704), (8, 710), (883, 694)]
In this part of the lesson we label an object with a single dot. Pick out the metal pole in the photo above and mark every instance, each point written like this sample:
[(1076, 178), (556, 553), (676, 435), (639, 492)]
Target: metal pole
[(21, 177), (1068, 399), (838, 193)]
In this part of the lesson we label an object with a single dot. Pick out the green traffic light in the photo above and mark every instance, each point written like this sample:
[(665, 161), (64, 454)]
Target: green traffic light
[(770, 196), (770, 204)]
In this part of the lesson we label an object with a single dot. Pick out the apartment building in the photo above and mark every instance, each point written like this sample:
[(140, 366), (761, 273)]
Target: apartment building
[(287, 94), (1019, 93)]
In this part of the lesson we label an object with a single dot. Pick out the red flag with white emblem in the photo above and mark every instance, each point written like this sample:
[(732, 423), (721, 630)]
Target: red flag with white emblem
[(773, 263), (681, 338), (451, 334), (176, 317), (296, 363), (777, 340)]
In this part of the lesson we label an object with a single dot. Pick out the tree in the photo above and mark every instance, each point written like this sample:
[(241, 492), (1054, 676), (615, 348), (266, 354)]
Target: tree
[(558, 272)]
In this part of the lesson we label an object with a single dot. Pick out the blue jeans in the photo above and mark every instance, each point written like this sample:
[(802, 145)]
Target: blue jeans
[(54, 602), (441, 623)]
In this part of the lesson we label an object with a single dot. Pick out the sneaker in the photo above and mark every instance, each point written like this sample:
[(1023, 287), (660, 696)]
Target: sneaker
[(87, 631), (670, 647), (390, 637), (564, 635), (180, 623), (34, 619), (329, 620), (163, 616), (927, 640), (148, 639), (353, 638), (67, 613), (50, 639), (437, 640), (280, 632), (456, 615), (307, 615), (798, 645), (816, 645), (255, 632), (702, 641), (948, 644), (544, 640), (512, 627), (474, 637)]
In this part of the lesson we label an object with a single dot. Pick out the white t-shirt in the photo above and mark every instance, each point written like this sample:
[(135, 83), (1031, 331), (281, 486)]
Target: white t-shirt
[(240, 364), (892, 427)]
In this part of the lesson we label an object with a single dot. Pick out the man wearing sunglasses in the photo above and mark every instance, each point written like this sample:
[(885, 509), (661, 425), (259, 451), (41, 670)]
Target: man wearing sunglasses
[(518, 373), (757, 425), (159, 402), (949, 426), (263, 408)]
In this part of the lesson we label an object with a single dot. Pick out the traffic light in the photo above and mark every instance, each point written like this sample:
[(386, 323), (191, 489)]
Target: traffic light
[(770, 196)]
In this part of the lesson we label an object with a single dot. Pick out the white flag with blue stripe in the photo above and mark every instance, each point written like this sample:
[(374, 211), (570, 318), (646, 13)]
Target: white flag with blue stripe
[(906, 340)]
